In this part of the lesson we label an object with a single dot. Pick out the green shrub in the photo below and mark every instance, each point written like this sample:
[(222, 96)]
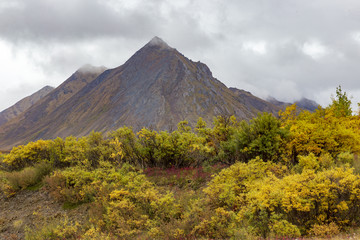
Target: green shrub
[(263, 137), (346, 157)]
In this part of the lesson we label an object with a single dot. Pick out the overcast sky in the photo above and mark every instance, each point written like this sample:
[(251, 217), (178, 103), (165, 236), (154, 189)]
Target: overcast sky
[(284, 48)]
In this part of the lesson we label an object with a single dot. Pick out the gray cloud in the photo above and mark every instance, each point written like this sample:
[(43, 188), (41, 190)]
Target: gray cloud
[(43, 20), (287, 49)]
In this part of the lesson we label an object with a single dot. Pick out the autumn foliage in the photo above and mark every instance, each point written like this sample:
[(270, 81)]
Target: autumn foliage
[(295, 175)]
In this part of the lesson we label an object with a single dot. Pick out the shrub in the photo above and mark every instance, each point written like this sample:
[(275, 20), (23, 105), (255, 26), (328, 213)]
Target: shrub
[(283, 228), (28, 155), (63, 229), (309, 162), (123, 201), (220, 226), (283, 205), (228, 189), (263, 137), (346, 157), (308, 198), (326, 161), (30, 176), (324, 230)]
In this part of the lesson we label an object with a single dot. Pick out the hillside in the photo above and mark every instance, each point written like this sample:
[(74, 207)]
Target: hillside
[(157, 87), (23, 105), (19, 129)]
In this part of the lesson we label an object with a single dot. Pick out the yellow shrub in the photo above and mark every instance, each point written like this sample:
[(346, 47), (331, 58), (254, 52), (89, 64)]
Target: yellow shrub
[(283, 228), (28, 155), (285, 204), (324, 230), (309, 162), (229, 188), (222, 225), (125, 203)]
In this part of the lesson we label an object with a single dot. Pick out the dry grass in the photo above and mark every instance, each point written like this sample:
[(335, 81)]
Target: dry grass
[(27, 177)]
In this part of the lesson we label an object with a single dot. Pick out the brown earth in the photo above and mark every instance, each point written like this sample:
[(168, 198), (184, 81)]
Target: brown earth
[(33, 209)]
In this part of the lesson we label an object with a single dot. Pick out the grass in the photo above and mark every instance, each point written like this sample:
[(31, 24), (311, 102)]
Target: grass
[(70, 205), (29, 177)]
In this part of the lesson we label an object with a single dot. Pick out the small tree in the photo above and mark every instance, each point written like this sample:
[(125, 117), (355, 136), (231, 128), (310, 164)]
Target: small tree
[(262, 137), (341, 105)]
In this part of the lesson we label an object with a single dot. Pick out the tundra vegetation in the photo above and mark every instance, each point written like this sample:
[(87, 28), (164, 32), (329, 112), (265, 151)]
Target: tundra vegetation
[(288, 176)]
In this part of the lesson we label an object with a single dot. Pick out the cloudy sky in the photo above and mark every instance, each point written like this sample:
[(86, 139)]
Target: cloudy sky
[(284, 48)]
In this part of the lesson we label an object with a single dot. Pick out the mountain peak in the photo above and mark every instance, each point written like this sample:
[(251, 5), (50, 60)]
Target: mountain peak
[(87, 68), (156, 41)]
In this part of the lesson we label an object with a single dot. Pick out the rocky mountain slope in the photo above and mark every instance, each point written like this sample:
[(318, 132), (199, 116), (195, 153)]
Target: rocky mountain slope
[(23, 104), (19, 129), (157, 87)]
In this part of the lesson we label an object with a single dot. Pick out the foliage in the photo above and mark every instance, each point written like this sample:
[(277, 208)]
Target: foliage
[(282, 205), (183, 178), (325, 230), (17, 180), (320, 133), (269, 177), (28, 155), (64, 229), (283, 228), (341, 105), (127, 203), (229, 188), (263, 137), (308, 198)]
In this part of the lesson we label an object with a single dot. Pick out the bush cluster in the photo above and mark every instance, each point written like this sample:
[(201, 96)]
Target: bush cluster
[(296, 175)]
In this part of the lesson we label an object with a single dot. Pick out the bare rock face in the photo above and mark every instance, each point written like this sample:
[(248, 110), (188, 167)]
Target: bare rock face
[(157, 87)]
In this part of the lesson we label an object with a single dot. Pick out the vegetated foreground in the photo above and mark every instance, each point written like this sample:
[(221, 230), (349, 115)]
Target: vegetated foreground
[(296, 176)]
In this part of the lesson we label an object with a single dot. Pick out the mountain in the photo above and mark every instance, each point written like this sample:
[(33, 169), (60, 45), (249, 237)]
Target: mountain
[(157, 87), (278, 103), (307, 104), (254, 103), (20, 129), (303, 103), (23, 104)]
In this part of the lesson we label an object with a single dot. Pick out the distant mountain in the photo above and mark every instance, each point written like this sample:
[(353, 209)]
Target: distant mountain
[(254, 103), (303, 103), (157, 87), (277, 102), (307, 104), (23, 104), (19, 129)]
